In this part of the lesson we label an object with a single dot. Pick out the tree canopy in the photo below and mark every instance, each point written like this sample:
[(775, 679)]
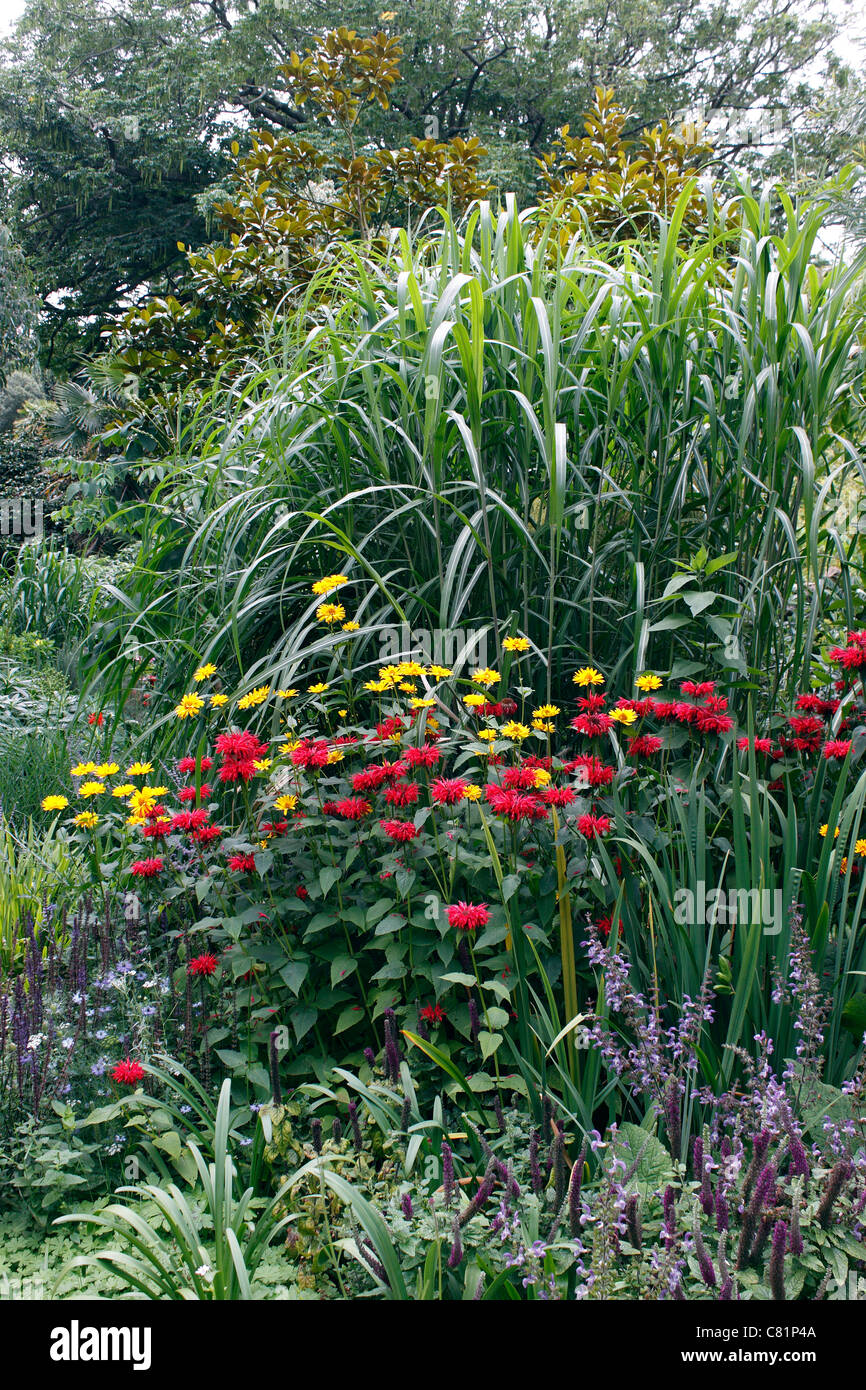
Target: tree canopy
[(116, 120)]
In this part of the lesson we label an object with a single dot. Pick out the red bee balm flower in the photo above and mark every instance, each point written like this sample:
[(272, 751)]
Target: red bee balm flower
[(837, 748), (189, 793), (593, 826), (399, 830), (128, 1073), (353, 808), (188, 765), (147, 868), (433, 1013), (468, 916), (448, 790), (243, 863), (205, 964)]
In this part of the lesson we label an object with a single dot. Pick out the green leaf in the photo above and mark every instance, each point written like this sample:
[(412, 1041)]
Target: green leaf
[(654, 1167), (489, 1042)]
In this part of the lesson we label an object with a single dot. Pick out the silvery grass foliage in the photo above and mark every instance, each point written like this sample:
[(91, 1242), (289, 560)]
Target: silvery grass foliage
[(489, 429)]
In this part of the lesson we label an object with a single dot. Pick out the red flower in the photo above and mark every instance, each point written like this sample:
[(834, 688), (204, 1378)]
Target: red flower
[(399, 830), (128, 1073), (402, 794), (557, 796), (425, 756), (592, 826), (389, 727), (468, 916), (590, 704), (641, 707), (806, 725), (310, 754), (147, 868), (593, 772), (189, 793), (190, 820), (515, 805), (448, 791), (157, 831), (816, 705), (375, 775), (239, 752), (270, 827), (837, 748), (433, 1013), (95, 719), (353, 808), (188, 765), (700, 689), (762, 745), (644, 745), (207, 834), (205, 964), (243, 863), (710, 722), (519, 778), (301, 891), (592, 724), (849, 657)]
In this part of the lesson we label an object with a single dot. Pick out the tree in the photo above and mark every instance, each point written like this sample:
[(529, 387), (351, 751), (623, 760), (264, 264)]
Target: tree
[(116, 116), (19, 310)]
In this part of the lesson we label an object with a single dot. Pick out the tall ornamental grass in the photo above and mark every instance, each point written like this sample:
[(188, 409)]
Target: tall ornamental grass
[(532, 439)]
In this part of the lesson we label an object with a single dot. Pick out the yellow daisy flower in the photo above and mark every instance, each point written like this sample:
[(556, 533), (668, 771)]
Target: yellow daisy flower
[(546, 712), (486, 677), (439, 673), (488, 735), (328, 584), (318, 689), (204, 671), (377, 687), (255, 697), (543, 726), (91, 788), (410, 668), (823, 831), (515, 730), (418, 703), (860, 847), (126, 789), (82, 769), (335, 755), (54, 803), (287, 802), (474, 700), (472, 791), (262, 764), (587, 675), (648, 682), (542, 777), (86, 819), (408, 687), (217, 700), (623, 716), (289, 747), (139, 770), (516, 644), (106, 769), (288, 694), (330, 613), (189, 706), (351, 626)]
